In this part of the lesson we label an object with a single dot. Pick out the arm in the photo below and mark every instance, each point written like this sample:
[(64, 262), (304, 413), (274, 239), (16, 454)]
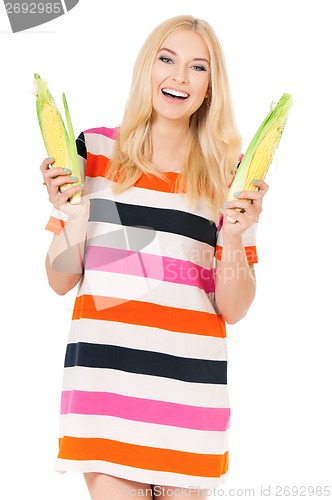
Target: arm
[(235, 281), (235, 278), (65, 257)]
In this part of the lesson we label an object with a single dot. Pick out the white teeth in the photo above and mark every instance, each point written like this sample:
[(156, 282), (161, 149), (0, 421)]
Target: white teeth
[(176, 93)]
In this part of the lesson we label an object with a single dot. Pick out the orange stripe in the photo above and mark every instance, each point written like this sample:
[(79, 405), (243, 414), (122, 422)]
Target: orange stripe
[(251, 254), (147, 314), (55, 225), (153, 182), (97, 165), (143, 457)]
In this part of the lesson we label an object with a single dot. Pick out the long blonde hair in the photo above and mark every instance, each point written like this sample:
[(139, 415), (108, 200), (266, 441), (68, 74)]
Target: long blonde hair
[(214, 142)]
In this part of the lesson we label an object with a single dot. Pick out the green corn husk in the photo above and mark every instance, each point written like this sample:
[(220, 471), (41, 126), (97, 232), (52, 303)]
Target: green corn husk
[(263, 146), (59, 143)]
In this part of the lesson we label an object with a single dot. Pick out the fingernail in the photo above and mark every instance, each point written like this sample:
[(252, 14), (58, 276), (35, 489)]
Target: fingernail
[(73, 178), (81, 186), (237, 194), (50, 158), (255, 181), (67, 170), (221, 210), (226, 204)]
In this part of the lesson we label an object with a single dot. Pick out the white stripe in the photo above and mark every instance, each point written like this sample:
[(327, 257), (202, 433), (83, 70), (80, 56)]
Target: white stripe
[(148, 338), (99, 144), (58, 214), (166, 244), (140, 475), (99, 187), (144, 434), (82, 164), (145, 386), (127, 287)]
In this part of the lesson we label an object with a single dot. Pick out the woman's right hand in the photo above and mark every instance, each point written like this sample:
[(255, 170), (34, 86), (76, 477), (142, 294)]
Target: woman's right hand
[(54, 178)]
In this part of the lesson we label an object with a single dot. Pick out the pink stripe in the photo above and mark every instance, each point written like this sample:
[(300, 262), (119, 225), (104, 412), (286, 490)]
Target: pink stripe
[(145, 410), (107, 132), (114, 260)]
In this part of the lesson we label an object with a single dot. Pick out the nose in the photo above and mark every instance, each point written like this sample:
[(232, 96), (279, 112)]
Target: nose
[(180, 74)]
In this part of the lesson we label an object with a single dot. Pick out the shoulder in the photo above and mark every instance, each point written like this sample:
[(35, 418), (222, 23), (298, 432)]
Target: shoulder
[(98, 140), (99, 132), (98, 144)]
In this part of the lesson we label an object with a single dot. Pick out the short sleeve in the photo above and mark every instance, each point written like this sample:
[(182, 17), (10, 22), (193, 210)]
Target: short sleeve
[(249, 243), (58, 218)]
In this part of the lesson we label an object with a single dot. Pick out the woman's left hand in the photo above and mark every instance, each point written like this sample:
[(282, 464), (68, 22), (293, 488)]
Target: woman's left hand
[(250, 205)]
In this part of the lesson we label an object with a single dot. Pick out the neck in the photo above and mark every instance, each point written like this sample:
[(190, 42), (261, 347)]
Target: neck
[(169, 140)]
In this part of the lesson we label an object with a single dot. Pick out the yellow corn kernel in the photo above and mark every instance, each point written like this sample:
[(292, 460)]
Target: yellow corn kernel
[(262, 156), (60, 143), (54, 136), (260, 152)]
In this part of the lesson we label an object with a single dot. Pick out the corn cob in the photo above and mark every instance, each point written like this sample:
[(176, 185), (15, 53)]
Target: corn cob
[(260, 153), (60, 144)]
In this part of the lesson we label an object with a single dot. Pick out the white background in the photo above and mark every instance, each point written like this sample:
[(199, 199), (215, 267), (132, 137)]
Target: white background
[(280, 354)]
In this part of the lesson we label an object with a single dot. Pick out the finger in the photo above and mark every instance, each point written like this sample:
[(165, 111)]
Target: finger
[(252, 195), (248, 195), (62, 179), (247, 206), (59, 186), (53, 173), (261, 185), (244, 204), (233, 216), (62, 199), (46, 164)]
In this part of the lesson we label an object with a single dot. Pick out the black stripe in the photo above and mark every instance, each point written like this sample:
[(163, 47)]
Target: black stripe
[(146, 363), (157, 219), (80, 145)]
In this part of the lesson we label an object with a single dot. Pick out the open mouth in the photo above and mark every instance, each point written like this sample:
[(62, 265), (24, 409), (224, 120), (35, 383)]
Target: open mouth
[(175, 94)]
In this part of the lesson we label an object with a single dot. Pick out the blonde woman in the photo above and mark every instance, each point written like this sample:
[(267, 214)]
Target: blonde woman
[(160, 271)]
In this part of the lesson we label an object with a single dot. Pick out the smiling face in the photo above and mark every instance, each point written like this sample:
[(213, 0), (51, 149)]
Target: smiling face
[(180, 76)]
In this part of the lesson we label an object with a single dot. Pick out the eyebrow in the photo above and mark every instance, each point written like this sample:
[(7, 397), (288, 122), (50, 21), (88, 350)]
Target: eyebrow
[(174, 54)]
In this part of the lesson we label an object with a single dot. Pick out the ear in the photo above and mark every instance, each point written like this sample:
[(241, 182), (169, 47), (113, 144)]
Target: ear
[(208, 92), (208, 97)]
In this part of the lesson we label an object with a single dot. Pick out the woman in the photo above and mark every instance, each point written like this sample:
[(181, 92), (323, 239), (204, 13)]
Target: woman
[(144, 408)]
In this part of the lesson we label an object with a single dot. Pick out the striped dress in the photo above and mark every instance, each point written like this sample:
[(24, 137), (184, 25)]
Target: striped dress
[(145, 393)]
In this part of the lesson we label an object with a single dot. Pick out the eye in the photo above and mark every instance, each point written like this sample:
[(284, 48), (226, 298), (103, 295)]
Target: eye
[(198, 68), (165, 59)]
